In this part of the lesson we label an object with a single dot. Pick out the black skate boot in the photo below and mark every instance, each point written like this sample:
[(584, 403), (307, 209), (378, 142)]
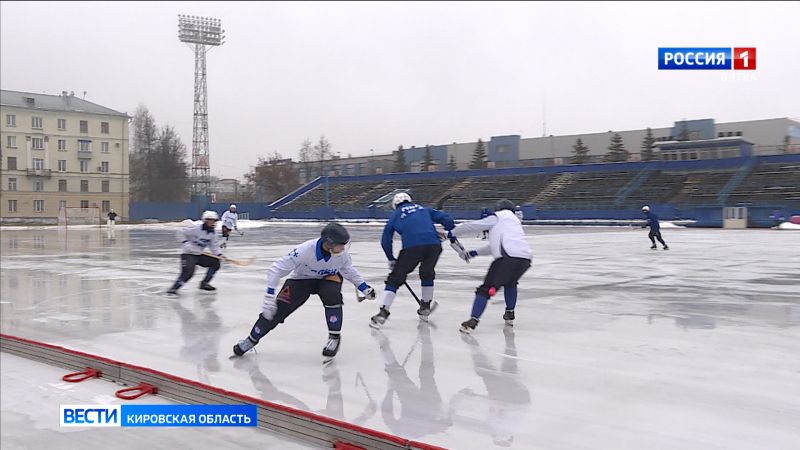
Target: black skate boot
[(666, 247), (425, 309), (243, 346), (331, 347), (207, 287), (469, 326), (509, 318), (654, 247), (172, 291), (379, 319)]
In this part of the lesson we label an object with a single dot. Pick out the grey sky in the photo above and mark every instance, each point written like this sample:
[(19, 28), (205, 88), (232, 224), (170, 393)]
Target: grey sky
[(378, 75)]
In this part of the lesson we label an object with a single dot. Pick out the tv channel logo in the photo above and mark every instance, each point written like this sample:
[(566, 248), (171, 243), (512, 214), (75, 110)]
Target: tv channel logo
[(706, 58), (90, 415)]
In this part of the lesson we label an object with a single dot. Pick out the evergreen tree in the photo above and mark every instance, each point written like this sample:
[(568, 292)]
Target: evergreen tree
[(616, 150), (427, 160), (786, 143), (580, 153), (451, 163), (647, 146), (478, 156), (400, 161)]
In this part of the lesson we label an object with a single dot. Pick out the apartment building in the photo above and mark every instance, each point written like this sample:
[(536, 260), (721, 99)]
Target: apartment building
[(60, 151)]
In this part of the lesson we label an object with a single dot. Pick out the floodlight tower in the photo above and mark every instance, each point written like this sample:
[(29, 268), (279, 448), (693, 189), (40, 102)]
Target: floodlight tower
[(201, 33)]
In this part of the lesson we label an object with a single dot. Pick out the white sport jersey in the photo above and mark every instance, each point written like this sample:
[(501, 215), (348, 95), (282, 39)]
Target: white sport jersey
[(230, 219), (194, 239), (307, 262), (505, 234)]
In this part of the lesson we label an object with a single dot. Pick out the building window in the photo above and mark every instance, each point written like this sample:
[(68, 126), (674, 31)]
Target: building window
[(84, 185), (38, 206), (62, 124), (12, 206), (12, 184), (85, 146), (104, 147), (38, 185), (62, 204), (84, 126), (36, 123), (38, 163), (37, 143), (104, 127), (104, 186), (62, 165), (11, 120), (84, 203), (84, 165), (106, 206), (11, 141), (62, 185), (104, 166), (12, 163), (62, 145)]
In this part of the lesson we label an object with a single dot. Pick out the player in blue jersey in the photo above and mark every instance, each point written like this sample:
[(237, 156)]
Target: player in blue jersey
[(655, 228), (421, 246)]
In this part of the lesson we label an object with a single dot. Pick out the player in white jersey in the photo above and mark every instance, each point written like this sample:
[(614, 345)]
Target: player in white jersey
[(518, 212), (230, 221), (317, 266), (194, 240), (512, 258)]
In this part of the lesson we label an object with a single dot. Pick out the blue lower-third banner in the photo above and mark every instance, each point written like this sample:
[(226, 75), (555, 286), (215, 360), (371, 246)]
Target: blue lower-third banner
[(159, 415)]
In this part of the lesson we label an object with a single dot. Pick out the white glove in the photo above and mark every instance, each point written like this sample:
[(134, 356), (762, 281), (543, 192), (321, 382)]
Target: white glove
[(460, 250), (391, 264), (369, 293), (269, 307)]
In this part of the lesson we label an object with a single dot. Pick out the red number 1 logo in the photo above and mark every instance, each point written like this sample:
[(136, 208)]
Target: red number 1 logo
[(744, 58)]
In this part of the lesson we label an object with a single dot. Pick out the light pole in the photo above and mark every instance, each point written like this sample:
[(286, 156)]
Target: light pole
[(200, 32)]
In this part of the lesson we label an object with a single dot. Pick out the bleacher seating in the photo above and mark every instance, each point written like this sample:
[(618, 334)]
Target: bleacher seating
[(589, 190), (771, 184)]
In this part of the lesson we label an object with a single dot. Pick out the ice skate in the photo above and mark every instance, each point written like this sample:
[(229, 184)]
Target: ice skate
[(243, 346), (426, 309), (468, 326), (207, 287), (331, 348), (654, 247), (379, 319), (666, 247), (509, 318), (172, 292)]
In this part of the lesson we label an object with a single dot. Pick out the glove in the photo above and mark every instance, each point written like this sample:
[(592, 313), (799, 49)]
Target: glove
[(269, 307), (369, 293), (472, 253), (391, 264), (459, 249), (451, 236)]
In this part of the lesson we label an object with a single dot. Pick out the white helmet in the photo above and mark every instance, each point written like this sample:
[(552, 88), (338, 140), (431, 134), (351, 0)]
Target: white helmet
[(232, 207), (210, 215), (645, 208), (400, 198)]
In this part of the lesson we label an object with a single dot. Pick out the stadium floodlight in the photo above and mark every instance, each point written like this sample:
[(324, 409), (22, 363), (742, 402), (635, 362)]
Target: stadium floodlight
[(200, 33)]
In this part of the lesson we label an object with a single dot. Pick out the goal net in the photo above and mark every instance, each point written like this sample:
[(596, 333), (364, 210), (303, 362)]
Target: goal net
[(72, 215)]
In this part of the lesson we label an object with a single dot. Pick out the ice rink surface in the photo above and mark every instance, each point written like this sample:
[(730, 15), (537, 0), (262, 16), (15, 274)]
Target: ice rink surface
[(615, 345)]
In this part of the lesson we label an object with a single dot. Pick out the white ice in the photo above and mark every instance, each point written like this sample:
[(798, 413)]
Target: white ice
[(615, 345)]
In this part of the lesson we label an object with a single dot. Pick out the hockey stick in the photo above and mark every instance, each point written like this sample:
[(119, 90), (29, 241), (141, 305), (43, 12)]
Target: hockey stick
[(412, 293), (235, 262)]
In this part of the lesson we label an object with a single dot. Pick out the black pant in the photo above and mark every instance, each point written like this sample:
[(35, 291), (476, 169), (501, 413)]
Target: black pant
[(294, 294), (504, 272), (424, 255), (188, 262), (656, 234), (226, 231)]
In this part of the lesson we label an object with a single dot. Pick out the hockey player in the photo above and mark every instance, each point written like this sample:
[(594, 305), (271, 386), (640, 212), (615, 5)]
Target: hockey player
[(512, 258), (195, 239), (317, 267), (112, 219), (485, 212), (230, 221), (655, 228), (421, 246), (518, 213)]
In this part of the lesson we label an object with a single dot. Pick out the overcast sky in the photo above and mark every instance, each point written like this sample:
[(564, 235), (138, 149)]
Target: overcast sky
[(379, 75)]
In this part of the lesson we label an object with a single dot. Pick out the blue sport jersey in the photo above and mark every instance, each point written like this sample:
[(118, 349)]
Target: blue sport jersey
[(652, 221), (414, 223)]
